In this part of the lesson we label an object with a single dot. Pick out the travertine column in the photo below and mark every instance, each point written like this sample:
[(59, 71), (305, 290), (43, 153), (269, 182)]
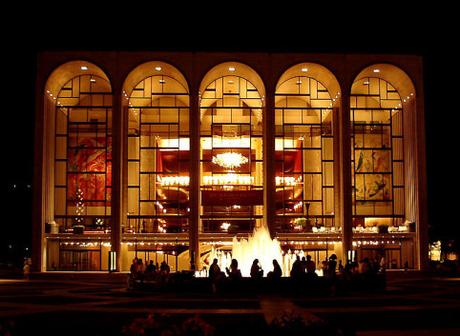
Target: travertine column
[(336, 166), (194, 119), (344, 157), (39, 184), (421, 201), (415, 176), (409, 161), (117, 171), (269, 161)]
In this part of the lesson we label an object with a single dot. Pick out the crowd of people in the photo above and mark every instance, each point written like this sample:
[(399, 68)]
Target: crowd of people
[(148, 271), (304, 268)]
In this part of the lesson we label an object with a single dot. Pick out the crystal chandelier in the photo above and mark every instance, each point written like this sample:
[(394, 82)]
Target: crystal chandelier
[(229, 160)]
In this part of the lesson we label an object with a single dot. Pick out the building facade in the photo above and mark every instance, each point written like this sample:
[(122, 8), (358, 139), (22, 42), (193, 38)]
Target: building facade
[(170, 155)]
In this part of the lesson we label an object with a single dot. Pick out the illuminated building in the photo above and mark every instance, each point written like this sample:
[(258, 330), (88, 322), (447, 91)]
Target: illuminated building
[(163, 155)]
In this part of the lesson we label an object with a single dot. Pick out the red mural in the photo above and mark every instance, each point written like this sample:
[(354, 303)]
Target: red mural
[(90, 170)]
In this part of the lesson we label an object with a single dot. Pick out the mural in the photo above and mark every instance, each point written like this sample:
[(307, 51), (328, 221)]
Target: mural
[(89, 169), (372, 169)]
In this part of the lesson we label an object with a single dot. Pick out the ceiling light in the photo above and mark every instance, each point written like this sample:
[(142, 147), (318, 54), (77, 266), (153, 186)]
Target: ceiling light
[(304, 69), (376, 70), (229, 160), (230, 82), (162, 81), (92, 80), (231, 69), (366, 83), (158, 68), (84, 68), (299, 82)]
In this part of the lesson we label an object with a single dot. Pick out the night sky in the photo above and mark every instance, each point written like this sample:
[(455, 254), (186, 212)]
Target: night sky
[(403, 34)]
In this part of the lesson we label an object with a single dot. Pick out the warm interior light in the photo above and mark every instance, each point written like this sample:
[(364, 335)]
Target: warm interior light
[(84, 68), (226, 142), (158, 68), (231, 69), (287, 180), (228, 179), (304, 69), (167, 181), (225, 226), (229, 160), (162, 81), (92, 80), (376, 70)]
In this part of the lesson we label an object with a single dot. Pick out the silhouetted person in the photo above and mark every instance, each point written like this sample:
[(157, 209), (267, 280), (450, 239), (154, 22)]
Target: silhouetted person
[(296, 270), (133, 267), (310, 267), (215, 274), (140, 266), (234, 273), (164, 268), (256, 271), (214, 271), (276, 273), (303, 264), (150, 267), (331, 266)]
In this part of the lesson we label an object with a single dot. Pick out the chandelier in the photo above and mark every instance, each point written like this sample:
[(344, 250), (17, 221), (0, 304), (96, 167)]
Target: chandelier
[(229, 160)]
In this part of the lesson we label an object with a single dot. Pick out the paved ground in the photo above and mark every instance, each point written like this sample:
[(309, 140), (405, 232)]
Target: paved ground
[(96, 305)]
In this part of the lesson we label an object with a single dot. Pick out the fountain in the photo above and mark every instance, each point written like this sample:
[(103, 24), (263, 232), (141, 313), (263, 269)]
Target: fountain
[(258, 245)]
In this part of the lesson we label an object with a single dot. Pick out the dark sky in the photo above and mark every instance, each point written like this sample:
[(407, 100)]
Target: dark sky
[(406, 33)]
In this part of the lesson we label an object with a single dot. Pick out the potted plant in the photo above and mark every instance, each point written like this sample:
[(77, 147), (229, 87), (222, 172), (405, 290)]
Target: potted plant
[(301, 224)]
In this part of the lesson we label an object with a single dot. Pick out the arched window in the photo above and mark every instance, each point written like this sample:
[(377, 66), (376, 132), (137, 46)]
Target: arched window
[(378, 99), (231, 139), (158, 149), (82, 151), (305, 99)]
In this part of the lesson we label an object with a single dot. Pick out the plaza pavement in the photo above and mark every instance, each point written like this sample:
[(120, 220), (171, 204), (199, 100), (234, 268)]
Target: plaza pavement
[(100, 304)]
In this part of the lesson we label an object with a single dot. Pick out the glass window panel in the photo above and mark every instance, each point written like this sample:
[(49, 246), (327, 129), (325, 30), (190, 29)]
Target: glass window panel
[(328, 200), (397, 123), (398, 173), (61, 147), (60, 173), (133, 173), (328, 173), (133, 201), (311, 161), (147, 209), (59, 201), (61, 120), (399, 201), (328, 149), (148, 159), (398, 153)]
